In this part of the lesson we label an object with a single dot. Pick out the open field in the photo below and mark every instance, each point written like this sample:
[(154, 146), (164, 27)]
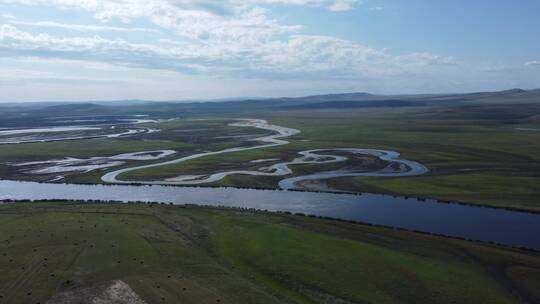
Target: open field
[(480, 148), (479, 160), (178, 134), (186, 137), (472, 156), (175, 254), (269, 152)]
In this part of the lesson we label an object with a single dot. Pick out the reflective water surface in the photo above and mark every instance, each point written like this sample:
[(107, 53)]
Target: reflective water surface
[(478, 223), (396, 165)]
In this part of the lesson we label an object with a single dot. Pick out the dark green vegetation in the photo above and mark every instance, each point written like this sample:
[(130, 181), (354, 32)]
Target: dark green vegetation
[(471, 142), (173, 254), (177, 135), (242, 161), (474, 156), (184, 136), (474, 149)]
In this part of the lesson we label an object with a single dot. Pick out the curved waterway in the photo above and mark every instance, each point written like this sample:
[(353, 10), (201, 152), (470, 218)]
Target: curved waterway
[(25, 136), (529, 129), (478, 223), (396, 167), (71, 164)]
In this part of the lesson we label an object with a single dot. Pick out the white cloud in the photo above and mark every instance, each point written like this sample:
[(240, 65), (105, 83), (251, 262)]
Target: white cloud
[(533, 63), (216, 41), (195, 19), (7, 16), (320, 56), (82, 27), (216, 31), (133, 7), (333, 5), (13, 38)]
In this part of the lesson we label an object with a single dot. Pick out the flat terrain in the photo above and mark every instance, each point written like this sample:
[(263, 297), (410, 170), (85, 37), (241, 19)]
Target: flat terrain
[(474, 156), (176, 254), (480, 148), (186, 137)]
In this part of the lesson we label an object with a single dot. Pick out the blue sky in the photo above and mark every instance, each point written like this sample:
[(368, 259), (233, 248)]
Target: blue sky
[(197, 49)]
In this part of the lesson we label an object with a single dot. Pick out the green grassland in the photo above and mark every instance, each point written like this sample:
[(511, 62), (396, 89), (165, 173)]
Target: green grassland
[(184, 136), (481, 160), (241, 161), (188, 135), (473, 149), (177, 254), (475, 152)]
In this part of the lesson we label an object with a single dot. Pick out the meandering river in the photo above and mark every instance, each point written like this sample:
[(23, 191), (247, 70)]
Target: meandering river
[(38, 135), (478, 223), (396, 167)]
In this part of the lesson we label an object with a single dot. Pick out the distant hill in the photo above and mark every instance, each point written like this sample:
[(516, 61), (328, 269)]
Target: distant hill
[(22, 113), (343, 104), (334, 97)]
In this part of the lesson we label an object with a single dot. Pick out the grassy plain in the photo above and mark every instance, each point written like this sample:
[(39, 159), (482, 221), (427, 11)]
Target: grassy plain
[(175, 254), (475, 153), (180, 135), (474, 150), (184, 136), (475, 158)]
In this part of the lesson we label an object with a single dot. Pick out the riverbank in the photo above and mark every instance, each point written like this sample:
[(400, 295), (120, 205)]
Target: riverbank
[(375, 191), (395, 166), (176, 254), (480, 160), (268, 212), (473, 156), (470, 222)]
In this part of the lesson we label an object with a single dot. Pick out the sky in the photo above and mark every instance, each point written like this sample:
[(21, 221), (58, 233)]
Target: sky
[(84, 50)]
